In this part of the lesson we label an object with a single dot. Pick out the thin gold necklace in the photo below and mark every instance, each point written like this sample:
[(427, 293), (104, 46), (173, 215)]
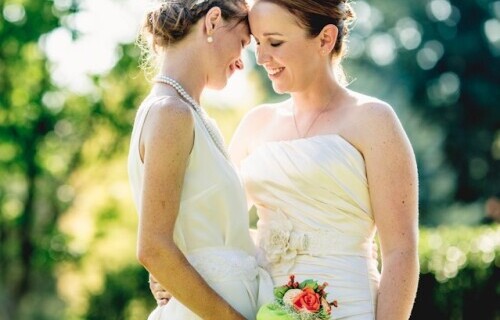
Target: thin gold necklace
[(312, 122)]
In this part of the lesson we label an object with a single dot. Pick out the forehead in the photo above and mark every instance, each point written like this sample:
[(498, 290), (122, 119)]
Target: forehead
[(269, 17), (242, 28)]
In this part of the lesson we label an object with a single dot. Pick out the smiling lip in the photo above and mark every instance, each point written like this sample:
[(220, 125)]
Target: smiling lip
[(273, 73)]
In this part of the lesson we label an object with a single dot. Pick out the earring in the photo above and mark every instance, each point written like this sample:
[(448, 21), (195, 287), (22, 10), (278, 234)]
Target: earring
[(210, 39)]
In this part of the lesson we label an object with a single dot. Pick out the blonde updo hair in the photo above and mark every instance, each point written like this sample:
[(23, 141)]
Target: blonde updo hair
[(170, 21)]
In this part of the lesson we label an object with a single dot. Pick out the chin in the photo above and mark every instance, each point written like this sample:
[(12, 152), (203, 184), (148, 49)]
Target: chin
[(280, 89), (218, 85), (221, 85)]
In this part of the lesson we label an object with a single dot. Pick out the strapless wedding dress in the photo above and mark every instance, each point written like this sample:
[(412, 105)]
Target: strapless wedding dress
[(315, 219)]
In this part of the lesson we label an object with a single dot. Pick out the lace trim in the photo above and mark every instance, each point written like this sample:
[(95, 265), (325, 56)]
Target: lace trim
[(222, 264)]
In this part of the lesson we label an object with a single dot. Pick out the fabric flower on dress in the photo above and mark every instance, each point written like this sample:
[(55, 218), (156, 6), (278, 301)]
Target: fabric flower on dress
[(278, 241)]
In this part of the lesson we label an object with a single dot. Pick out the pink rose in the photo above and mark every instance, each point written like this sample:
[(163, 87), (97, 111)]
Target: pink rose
[(308, 301)]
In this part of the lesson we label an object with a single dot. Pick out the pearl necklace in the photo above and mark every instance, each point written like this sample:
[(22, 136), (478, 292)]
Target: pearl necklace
[(209, 125)]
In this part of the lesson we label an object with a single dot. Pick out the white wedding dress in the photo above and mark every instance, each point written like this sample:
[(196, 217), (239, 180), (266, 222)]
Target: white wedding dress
[(212, 225), (315, 219)]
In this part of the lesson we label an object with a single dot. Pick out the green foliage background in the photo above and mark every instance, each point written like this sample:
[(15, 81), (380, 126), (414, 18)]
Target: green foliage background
[(67, 224)]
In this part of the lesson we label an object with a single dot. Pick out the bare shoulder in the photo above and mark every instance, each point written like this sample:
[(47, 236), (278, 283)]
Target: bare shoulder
[(168, 118), (173, 109), (260, 115), (370, 109), (374, 117), (250, 130)]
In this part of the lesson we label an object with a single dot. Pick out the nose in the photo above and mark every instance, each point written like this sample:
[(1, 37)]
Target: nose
[(239, 64), (262, 56)]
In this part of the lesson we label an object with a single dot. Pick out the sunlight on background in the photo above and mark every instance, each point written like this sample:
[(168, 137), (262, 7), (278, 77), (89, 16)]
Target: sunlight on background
[(433, 61), (103, 26)]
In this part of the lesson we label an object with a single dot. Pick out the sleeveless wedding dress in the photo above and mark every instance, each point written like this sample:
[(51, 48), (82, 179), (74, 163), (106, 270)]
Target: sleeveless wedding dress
[(315, 219), (212, 225)]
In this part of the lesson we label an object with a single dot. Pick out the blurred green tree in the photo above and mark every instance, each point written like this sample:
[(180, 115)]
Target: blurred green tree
[(46, 133), (448, 58), (437, 63), (31, 172)]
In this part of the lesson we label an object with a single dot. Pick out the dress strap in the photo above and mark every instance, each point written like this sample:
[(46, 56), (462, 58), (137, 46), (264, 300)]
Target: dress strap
[(140, 118), (144, 110)]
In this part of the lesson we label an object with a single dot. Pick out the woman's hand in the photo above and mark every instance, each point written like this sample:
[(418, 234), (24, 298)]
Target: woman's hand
[(161, 295)]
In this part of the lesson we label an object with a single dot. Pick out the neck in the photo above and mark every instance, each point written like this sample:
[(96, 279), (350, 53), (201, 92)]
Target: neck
[(318, 95), (179, 65)]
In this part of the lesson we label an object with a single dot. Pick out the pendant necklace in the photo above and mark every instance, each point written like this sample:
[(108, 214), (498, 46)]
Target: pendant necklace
[(312, 122)]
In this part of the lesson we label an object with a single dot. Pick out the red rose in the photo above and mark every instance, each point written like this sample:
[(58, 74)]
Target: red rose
[(308, 301)]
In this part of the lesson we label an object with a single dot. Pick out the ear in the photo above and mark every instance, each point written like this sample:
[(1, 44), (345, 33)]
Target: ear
[(213, 19), (328, 38)]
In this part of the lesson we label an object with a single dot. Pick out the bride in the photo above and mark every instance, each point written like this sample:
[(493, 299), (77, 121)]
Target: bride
[(328, 168), (192, 209)]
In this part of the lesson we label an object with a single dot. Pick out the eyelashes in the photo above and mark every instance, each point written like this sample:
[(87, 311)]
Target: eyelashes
[(273, 44)]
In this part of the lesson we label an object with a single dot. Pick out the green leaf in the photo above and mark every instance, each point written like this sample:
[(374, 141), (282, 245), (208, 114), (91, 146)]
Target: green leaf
[(309, 283), (279, 292)]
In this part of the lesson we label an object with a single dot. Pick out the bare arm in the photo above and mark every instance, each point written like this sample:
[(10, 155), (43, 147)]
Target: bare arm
[(167, 139), (393, 185)]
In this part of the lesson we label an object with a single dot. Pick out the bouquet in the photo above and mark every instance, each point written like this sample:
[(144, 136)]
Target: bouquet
[(298, 301)]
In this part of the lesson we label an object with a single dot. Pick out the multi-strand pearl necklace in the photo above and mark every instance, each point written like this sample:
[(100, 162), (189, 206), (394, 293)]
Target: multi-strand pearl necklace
[(212, 129)]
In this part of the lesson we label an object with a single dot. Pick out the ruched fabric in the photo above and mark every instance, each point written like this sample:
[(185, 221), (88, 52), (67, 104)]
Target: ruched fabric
[(315, 218)]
